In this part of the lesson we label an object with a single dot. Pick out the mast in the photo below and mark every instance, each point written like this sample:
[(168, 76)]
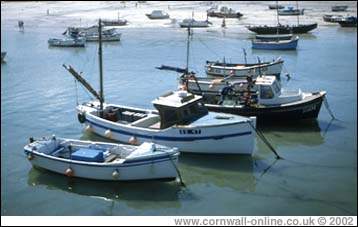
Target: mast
[(298, 15), (100, 67), (278, 20), (187, 51)]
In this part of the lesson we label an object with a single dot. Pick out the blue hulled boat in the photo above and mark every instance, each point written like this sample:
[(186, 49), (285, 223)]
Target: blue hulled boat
[(276, 44)]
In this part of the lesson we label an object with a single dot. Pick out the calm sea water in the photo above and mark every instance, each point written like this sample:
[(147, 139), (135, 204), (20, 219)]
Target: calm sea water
[(318, 175)]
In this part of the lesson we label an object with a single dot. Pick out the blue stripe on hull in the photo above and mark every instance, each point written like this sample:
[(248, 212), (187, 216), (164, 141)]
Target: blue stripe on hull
[(170, 138), (274, 46)]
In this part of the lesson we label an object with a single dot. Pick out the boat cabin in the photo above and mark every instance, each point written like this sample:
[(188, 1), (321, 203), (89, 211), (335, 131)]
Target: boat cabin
[(180, 107), (265, 91)]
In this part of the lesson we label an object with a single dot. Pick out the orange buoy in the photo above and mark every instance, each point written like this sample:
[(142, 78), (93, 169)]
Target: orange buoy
[(69, 172), (133, 140)]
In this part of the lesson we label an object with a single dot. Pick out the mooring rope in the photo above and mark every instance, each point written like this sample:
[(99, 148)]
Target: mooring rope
[(328, 108), (262, 137), (176, 169)]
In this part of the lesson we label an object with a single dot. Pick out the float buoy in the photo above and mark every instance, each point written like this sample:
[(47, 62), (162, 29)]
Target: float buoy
[(133, 140), (88, 128), (81, 117), (115, 174), (30, 157), (108, 133), (69, 172)]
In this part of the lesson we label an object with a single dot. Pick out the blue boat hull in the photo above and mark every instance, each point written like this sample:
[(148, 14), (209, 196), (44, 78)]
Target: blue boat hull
[(275, 46)]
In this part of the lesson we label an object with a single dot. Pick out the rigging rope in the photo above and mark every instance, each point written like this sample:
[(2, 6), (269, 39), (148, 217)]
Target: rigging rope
[(328, 108)]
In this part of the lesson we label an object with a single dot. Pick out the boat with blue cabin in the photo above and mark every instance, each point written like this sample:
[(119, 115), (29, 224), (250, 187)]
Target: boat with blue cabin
[(103, 161), (290, 11)]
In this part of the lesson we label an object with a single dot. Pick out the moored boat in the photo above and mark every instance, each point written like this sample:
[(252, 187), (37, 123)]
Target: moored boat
[(222, 69), (105, 37), (272, 37), (332, 18), (157, 15), (290, 11), (350, 21), (118, 22), (224, 12), (275, 44), (103, 161), (265, 99), (67, 42), (275, 6), (192, 23), (282, 29), (339, 8), (181, 120)]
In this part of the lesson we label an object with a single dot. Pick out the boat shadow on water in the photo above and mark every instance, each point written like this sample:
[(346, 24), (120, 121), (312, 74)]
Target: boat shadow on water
[(312, 130), (141, 195)]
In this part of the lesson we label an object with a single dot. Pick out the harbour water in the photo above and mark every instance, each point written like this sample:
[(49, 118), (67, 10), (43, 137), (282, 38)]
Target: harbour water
[(318, 175)]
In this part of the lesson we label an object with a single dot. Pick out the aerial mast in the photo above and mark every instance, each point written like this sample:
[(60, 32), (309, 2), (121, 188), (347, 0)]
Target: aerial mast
[(100, 67)]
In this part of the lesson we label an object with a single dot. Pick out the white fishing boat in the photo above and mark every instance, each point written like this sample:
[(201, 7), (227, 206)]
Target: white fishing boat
[(103, 161), (105, 37), (67, 42), (157, 15), (181, 120), (223, 69), (192, 23)]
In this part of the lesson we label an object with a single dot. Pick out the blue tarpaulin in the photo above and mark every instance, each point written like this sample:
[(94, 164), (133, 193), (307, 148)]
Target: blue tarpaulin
[(88, 155)]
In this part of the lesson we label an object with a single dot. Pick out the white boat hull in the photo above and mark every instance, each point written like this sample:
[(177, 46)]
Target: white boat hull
[(160, 169), (273, 68), (235, 138)]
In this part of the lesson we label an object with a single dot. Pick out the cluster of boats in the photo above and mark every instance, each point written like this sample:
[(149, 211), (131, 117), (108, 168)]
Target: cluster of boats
[(78, 36), (216, 114)]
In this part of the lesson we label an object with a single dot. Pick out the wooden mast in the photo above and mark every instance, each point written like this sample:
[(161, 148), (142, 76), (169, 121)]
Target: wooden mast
[(278, 20), (100, 67), (298, 15), (187, 51)]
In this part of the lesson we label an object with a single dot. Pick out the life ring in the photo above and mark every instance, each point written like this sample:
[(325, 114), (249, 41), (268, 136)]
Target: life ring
[(81, 118)]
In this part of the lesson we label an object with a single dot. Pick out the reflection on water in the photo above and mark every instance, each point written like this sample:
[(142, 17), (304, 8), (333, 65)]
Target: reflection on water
[(234, 171), (137, 194)]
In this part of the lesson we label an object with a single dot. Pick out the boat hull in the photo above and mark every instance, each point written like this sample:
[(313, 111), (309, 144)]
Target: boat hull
[(347, 23), (224, 15), (281, 45), (302, 28), (269, 68), (302, 110), (149, 170), (234, 138)]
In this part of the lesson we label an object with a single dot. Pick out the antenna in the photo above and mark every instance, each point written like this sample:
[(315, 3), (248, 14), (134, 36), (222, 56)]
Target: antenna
[(100, 66)]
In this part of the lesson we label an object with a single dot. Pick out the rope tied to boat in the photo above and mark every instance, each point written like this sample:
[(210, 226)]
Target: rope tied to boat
[(262, 137), (325, 101)]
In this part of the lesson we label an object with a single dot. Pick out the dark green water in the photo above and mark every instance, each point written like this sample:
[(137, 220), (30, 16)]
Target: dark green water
[(318, 175)]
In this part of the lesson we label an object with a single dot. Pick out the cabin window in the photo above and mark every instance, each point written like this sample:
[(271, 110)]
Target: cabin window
[(266, 92), (276, 87)]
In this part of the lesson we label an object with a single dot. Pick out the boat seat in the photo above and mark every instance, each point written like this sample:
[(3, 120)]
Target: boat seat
[(58, 151), (110, 158)]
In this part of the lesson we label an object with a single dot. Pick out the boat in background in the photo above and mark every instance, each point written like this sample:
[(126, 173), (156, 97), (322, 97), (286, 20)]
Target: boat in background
[(223, 12), (339, 8), (67, 42), (3, 54), (350, 21), (157, 15), (91, 33), (283, 29), (192, 23), (275, 6), (223, 69), (332, 18), (274, 37), (290, 11), (275, 44), (103, 161), (118, 22)]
